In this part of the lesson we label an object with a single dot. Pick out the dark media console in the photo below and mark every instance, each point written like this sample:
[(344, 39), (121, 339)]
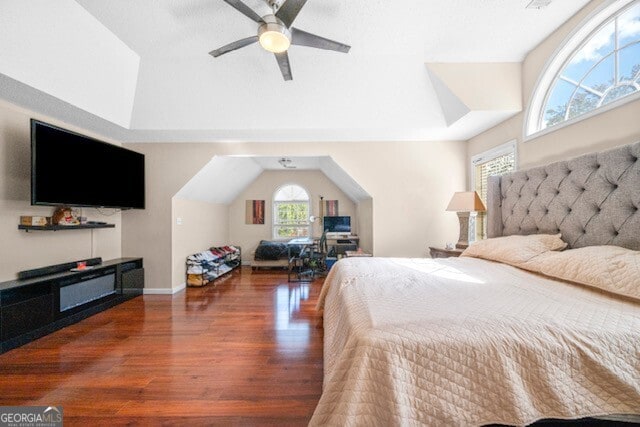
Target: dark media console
[(47, 299)]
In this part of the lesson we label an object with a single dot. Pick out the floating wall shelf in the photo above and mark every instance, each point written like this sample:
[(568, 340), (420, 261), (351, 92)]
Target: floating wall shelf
[(28, 228)]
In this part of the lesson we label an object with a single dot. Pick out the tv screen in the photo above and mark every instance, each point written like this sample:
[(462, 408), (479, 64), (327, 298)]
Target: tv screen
[(74, 170), (337, 224)]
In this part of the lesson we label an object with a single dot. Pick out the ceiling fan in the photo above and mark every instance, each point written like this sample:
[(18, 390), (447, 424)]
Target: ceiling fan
[(286, 163), (276, 34)]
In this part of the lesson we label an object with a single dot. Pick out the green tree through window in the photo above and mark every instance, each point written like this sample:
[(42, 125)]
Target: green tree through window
[(495, 162), (291, 212)]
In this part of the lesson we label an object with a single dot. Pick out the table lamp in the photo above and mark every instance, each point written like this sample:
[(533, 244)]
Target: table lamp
[(464, 202)]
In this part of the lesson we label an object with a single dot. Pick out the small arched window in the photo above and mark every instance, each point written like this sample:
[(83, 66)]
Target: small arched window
[(601, 68), (291, 212)]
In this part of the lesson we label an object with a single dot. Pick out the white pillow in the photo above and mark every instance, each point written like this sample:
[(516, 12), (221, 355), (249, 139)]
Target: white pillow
[(611, 268), (515, 250)]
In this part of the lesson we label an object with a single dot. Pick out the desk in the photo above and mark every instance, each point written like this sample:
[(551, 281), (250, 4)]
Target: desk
[(343, 243), (351, 254), (305, 241), (297, 258)]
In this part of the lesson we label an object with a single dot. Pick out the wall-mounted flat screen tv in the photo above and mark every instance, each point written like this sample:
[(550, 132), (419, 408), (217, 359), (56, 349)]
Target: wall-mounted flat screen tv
[(337, 224), (74, 170)]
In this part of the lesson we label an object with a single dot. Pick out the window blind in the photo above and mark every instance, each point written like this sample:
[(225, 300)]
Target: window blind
[(483, 169)]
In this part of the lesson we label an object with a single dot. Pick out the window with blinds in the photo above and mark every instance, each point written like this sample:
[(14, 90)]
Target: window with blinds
[(495, 162)]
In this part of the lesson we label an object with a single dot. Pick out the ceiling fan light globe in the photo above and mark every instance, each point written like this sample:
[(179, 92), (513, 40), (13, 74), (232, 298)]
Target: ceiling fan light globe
[(274, 41), (273, 35)]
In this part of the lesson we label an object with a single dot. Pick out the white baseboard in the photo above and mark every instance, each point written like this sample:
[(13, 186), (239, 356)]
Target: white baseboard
[(246, 262), (164, 291)]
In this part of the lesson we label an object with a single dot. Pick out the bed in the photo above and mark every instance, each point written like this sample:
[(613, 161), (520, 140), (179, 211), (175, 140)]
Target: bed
[(516, 337)]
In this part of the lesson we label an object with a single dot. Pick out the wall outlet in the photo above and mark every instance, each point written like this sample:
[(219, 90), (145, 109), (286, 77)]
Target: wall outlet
[(178, 221)]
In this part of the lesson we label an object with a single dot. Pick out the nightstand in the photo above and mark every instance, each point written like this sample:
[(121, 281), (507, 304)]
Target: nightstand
[(444, 253)]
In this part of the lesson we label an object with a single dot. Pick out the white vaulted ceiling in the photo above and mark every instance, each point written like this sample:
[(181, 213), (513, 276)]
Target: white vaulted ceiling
[(237, 172), (139, 70)]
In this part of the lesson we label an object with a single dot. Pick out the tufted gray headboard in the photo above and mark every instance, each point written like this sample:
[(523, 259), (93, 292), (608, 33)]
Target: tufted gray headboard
[(592, 200)]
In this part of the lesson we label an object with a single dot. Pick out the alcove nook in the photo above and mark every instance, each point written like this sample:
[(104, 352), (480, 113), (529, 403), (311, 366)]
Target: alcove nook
[(209, 210)]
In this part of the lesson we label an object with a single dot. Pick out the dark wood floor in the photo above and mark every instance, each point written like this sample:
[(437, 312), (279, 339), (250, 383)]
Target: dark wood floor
[(247, 351)]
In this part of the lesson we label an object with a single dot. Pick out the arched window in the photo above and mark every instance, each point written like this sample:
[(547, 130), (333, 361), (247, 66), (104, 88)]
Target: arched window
[(291, 212), (602, 67)]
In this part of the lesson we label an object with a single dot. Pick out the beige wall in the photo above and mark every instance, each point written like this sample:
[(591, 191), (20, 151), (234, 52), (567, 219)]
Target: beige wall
[(202, 225), (410, 183), (315, 182), (364, 213), (610, 129), (19, 250)]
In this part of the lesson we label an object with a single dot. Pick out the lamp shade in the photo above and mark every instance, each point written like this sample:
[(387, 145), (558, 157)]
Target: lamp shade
[(466, 201)]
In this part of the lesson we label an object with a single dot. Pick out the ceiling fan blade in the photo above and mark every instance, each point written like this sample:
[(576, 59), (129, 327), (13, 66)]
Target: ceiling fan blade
[(302, 38), (233, 46), (289, 10), (245, 10), (283, 63)]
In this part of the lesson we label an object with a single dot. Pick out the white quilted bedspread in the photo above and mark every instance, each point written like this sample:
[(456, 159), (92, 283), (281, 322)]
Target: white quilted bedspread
[(463, 341)]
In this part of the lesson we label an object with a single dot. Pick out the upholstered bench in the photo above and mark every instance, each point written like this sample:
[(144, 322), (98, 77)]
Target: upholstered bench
[(272, 254)]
